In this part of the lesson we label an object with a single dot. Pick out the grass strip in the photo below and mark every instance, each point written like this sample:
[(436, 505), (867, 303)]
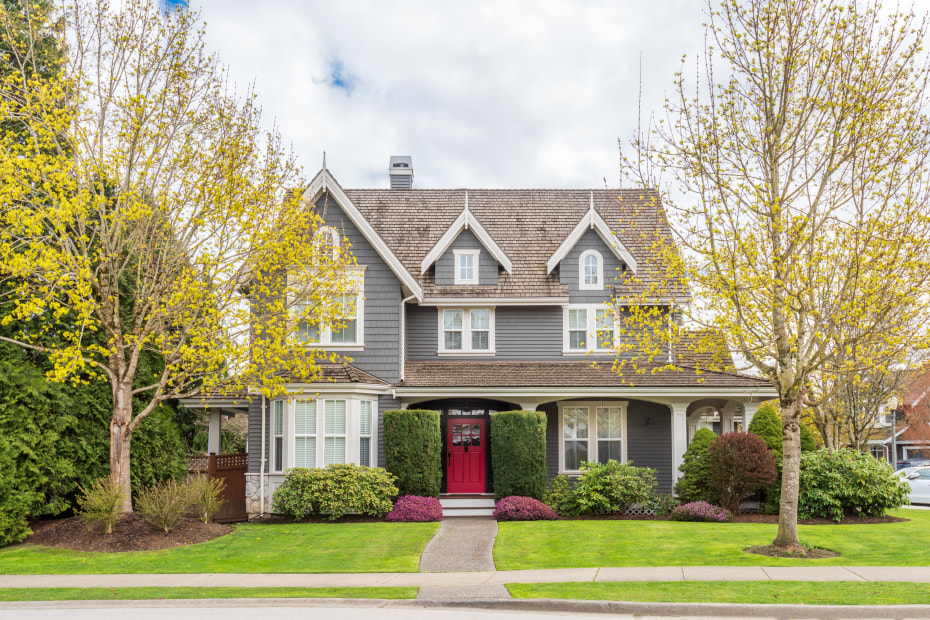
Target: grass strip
[(251, 548), (135, 594), (748, 592), (581, 544)]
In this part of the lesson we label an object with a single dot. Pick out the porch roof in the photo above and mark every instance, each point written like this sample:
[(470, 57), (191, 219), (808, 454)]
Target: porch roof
[(566, 374)]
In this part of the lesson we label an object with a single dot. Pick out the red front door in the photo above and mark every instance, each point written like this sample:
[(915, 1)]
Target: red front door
[(466, 442)]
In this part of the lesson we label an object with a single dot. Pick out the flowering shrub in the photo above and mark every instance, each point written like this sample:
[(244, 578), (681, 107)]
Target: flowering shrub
[(701, 511), (517, 508), (415, 508)]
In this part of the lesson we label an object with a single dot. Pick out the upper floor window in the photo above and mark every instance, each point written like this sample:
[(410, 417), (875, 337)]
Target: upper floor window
[(327, 236), (466, 330), (466, 266), (591, 271), (348, 331), (588, 327)]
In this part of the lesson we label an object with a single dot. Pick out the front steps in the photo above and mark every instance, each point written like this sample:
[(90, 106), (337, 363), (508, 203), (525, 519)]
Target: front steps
[(467, 505)]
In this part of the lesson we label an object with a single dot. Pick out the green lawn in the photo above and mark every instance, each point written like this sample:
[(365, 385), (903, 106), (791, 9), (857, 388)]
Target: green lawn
[(759, 592), (135, 594), (251, 548), (577, 544)]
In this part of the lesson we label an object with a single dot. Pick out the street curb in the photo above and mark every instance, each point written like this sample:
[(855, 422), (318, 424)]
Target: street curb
[(781, 612)]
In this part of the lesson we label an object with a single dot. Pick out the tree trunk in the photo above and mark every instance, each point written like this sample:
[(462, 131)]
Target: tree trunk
[(120, 439), (790, 477)]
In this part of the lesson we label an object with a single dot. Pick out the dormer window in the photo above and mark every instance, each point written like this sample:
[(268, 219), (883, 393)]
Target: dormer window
[(466, 266), (591, 271), (327, 236)]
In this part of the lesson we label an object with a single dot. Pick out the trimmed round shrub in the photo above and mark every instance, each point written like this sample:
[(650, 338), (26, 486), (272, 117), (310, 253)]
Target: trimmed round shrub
[(767, 424), (337, 490), (415, 509), (701, 511), (848, 483), (413, 450), (518, 453), (694, 484), (517, 508), (613, 487), (739, 463)]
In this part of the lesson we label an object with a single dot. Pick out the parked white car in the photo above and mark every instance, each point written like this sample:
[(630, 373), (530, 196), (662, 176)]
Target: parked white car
[(919, 480)]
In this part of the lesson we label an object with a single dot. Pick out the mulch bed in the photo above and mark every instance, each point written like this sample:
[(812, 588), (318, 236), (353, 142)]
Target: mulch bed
[(130, 533)]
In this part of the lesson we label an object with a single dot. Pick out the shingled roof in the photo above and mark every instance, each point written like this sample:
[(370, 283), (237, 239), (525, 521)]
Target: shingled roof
[(528, 225), (563, 374)]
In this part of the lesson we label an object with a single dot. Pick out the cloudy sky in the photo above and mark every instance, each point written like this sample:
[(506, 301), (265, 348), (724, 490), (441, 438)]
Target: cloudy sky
[(481, 93)]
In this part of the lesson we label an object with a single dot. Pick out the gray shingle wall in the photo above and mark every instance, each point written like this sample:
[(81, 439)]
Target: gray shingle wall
[(487, 266), (552, 438), (255, 434), (520, 332), (381, 356), (385, 403), (568, 269), (650, 445)]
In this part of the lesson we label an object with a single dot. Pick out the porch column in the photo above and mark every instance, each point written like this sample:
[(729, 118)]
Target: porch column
[(679, 436), (749, 410), (726, 417), (213, 442), (529, 405)]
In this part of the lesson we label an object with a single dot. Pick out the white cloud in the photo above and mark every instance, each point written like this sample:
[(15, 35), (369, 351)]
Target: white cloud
[(481, 94)]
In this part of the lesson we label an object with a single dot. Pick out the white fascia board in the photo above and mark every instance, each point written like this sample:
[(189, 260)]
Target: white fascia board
[(324, 181), (655, 394), (493, 301), (333, 387), (592, 219), (466, 221)]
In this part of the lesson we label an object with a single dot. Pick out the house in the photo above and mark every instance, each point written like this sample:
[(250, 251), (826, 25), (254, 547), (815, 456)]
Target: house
[(482, 300), (903, 434)]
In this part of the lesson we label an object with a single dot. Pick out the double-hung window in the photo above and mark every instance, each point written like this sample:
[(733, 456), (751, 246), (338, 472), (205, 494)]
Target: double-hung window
[(364, 433), (466, 266), (278, 435), (305, 432), (345, 333), (589, 327), (466, 331), (334, 438), (591, 431)]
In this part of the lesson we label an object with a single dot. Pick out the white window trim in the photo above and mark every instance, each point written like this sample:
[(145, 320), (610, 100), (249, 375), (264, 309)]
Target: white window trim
[(475, 272), (466, 333), (357, 274), (599, 285), (591, 339), (273, 452), (592, 429), (353, 423)]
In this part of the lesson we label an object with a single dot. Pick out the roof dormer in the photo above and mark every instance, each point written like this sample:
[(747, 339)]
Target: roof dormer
[(592, 221)]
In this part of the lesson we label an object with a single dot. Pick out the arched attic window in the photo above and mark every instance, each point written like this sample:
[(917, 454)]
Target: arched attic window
[(590, 271), (327, 236)]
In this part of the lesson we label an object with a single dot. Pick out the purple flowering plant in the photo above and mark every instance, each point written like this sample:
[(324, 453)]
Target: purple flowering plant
[(518, 508), (415, 508), (701, 511)]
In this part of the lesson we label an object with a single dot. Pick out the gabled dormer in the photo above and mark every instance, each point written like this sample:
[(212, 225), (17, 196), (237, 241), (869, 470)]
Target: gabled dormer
[(591, 258), (466, 254)]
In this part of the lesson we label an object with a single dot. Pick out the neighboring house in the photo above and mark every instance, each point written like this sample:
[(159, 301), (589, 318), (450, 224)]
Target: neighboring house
[(894, 439), (483, 300)]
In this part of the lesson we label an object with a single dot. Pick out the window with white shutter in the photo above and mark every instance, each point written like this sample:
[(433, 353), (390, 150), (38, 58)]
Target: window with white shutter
[(305, 433), (334, 435)]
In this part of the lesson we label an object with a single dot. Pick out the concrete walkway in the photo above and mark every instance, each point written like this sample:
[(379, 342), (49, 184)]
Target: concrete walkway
[(462, 545), (915, 574)]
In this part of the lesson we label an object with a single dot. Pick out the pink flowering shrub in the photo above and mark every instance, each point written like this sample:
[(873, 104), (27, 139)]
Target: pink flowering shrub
[(414, 508), (517, 508), (701, 511)]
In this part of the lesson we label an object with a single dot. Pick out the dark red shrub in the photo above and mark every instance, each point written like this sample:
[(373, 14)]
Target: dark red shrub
[(739, 464), (414, 508), (517, 508)]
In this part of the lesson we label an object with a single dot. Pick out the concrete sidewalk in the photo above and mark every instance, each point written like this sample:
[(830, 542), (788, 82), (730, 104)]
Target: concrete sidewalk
[(917, 574)]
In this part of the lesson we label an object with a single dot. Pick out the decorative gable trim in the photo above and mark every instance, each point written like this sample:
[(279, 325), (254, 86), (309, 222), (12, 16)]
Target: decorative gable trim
[(466, 221), (325, 182), (592, 220)]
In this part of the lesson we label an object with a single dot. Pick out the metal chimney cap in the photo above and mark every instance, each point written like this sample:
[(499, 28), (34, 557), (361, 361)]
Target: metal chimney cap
[(400, 170)]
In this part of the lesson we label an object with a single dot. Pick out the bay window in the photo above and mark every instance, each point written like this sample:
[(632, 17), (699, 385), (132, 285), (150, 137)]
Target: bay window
[(323, 431)]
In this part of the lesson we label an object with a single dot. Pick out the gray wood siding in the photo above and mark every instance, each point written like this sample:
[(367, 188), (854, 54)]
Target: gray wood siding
[(650, 445), (255, 433), (385, 403), (568, 269), (487, 265), (521, 333), (381, 356), (552, 438)]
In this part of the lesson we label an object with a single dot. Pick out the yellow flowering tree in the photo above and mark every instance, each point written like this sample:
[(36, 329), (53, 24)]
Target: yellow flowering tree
[(795, 173), (144, 208)]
